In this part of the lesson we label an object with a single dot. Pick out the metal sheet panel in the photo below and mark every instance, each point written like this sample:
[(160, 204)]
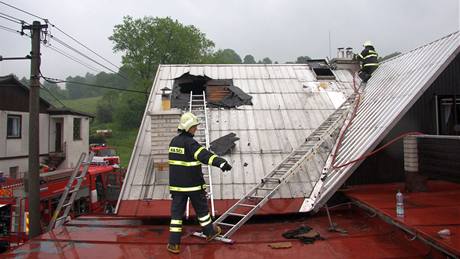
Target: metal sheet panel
[(393, 89), (283, 115)]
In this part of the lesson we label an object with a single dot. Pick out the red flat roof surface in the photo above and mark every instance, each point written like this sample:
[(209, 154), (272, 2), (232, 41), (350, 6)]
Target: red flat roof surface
[(426, 213), (161, 208), (124, 237)]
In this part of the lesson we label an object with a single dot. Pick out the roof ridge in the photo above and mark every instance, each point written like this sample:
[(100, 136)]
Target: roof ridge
[(422, 46)]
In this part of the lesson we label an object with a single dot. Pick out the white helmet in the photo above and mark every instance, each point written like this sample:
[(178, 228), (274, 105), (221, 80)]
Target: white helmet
[(187, 120), (367, 43)]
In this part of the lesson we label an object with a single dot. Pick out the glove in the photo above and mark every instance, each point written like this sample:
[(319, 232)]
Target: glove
[(225, 166)]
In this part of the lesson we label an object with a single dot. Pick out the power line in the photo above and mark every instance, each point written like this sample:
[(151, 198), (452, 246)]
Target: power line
[(57, 81), (84, 55), (73, 38), (13, 31), (52, 95), (73, 58), (83, 45), (7, 17), (8, 29), (12, 17), (19, 9)]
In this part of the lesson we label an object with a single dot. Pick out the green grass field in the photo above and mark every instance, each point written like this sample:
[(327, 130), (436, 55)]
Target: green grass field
[(87, 105), (123, 141)]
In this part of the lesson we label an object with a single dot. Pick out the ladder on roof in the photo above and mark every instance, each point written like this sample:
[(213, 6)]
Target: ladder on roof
[(198, 106), (70, 191), (246, 207)]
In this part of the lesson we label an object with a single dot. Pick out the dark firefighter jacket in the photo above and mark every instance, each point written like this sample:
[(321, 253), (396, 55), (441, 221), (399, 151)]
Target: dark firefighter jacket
[(185, 159), (368, 57)]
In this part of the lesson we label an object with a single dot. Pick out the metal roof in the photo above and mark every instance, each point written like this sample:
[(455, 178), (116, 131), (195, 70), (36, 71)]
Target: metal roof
[(390, 93), (288, 104)]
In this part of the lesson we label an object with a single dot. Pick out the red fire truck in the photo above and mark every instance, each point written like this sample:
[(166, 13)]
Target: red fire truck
[(98, 193), (104, 153)]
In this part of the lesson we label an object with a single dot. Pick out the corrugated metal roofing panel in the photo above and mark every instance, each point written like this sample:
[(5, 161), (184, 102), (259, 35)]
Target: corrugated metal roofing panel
[(392, 90), (283, 115)]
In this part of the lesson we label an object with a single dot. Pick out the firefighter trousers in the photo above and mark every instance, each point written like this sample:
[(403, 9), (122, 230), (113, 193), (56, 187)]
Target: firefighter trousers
[(178, 206), (366, 72)]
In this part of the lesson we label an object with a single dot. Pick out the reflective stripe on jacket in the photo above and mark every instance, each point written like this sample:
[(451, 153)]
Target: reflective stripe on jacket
[(368, 57), (185, 158)]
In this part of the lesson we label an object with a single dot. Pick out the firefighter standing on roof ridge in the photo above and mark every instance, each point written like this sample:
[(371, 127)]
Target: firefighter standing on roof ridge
[(186, 180), (369, 61)]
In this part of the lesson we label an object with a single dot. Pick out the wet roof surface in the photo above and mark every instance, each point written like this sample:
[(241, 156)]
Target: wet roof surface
[(117, 237), (394, 87), (425, 213), (288, 104)]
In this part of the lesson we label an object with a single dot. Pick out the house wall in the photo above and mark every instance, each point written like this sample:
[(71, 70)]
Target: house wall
[(74, 148), (388, 165), (14, 152)]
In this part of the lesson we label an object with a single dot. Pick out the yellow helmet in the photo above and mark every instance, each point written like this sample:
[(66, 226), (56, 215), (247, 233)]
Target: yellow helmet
[(187, 120), (368, 43)]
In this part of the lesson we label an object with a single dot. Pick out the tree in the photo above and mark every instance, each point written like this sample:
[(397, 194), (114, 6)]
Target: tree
[(394, 54), (267, 61), (225, 56), (105, 108), (302, 59), (249, 59), (150, 41)]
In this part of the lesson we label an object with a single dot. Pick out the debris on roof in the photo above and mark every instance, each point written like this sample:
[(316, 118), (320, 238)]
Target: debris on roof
[(224, 144), (236, 98), (222, 93)]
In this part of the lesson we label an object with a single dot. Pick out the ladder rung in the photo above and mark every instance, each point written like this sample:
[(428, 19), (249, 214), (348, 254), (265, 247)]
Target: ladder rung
[(236, 214), (247, 205), (271, 179), (286, 164), (73, 190), (225, 224), (256, 197), (265, 189), (67, 204), (60, 218)]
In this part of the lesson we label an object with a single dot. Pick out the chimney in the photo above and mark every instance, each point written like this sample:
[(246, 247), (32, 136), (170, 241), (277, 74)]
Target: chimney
[(339, 52), (349, 53), (166, 98)]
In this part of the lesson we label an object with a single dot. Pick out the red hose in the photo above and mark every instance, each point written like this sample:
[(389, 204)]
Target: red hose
[(353, 115)]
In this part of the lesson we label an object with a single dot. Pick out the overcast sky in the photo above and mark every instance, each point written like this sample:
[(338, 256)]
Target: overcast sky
[(279, 29)]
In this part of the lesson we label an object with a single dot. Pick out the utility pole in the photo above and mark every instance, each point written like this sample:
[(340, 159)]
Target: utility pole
[(33, 177)]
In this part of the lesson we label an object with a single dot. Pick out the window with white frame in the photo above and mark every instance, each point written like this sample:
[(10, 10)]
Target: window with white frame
[(13, 126)]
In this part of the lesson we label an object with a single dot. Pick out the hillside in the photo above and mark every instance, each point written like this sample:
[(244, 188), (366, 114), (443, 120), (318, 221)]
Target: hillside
[(87, 105)]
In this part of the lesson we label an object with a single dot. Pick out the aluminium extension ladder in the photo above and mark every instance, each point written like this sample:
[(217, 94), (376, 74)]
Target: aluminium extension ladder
[(70, 191), (198, 106), (252, 201)]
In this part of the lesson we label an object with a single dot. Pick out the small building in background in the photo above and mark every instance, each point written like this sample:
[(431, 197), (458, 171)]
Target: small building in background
[(64, 133)]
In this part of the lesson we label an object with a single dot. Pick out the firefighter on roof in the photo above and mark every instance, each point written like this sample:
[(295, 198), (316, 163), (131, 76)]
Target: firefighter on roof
[(186, 180), (369, 61)]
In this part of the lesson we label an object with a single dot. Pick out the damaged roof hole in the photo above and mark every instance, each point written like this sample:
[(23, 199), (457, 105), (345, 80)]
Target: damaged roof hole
[(321, 69), (220, 93)]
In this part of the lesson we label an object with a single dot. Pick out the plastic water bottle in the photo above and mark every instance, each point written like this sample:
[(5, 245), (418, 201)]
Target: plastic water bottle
[(399, 204)]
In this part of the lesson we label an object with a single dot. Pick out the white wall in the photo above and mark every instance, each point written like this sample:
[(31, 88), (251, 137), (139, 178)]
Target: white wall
[(74, 148), (20, 147)]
